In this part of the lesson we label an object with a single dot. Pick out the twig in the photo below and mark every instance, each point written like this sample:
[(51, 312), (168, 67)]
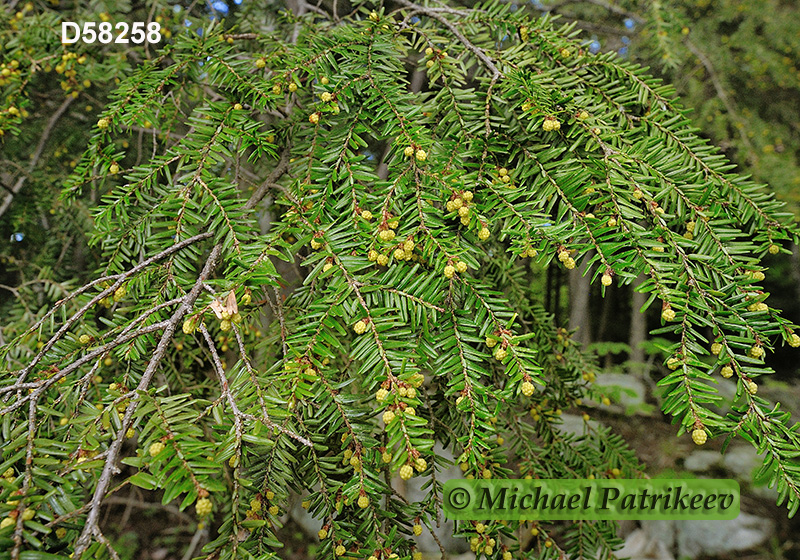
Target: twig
[(434, 14), (120, 279), (196, 538), (718, 87), (37, 153), (261, 191), (90, 356), (109, 468), (613, 8)]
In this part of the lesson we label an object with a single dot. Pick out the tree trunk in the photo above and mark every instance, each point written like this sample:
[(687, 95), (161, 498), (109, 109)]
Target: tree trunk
[(579, 315), (638, 332), (795, 267)]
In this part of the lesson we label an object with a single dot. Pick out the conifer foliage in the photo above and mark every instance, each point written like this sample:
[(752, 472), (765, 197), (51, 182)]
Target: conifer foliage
[(314, 281)]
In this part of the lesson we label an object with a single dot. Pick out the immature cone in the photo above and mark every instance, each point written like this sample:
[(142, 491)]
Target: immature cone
[(606, 280), (406, 472), (203, 507), (527, 388), (699, 436), (155, 448), (673, 363)]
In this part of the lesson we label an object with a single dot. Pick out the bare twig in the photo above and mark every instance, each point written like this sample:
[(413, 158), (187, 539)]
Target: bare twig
[(119, 280), (261, 191), (435, 14), (37, 153), (40, 387), (110, 467), (720, 89), (198, 536)]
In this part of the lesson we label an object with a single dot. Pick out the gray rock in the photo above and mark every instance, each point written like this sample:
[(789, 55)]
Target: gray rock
[(701, 461), (628, 390), (741, 460), (744, 461), (695, 538), (641, 546), (765, 493), (719, 537), (574, 424), (662, 531)]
